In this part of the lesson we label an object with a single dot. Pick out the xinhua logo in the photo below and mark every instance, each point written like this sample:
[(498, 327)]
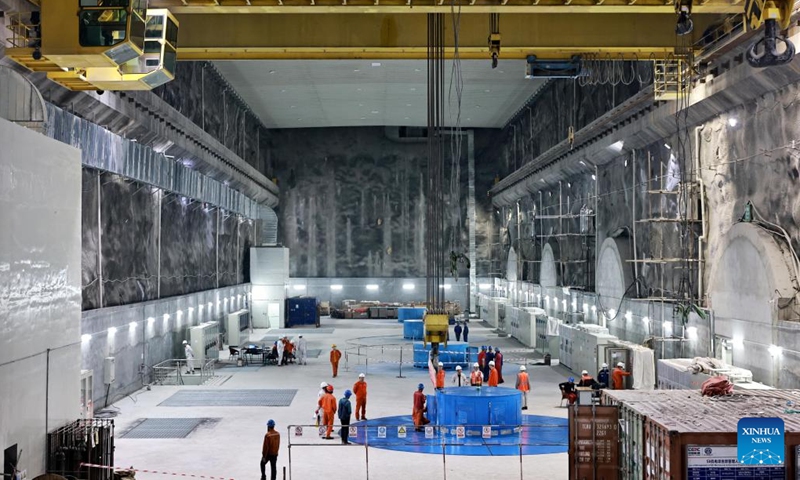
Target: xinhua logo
[(760, 441)]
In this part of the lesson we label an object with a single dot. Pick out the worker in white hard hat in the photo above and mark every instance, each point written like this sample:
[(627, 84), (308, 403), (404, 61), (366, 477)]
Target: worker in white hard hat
[(618, 376), (604, 376), (360, 389), (189, 353), (476, 377), (588, 381), (493, 375), (459, 379), (523, 385), (440, 376)]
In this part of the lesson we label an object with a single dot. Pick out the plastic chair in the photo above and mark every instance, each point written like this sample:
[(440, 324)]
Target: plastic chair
[(234, 353)]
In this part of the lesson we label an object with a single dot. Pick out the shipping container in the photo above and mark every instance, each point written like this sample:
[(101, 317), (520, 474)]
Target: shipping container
[(679, 434), (301, 311), (594, 443)]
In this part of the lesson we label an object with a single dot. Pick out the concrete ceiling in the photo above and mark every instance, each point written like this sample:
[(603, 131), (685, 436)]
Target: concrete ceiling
[(346, 93)]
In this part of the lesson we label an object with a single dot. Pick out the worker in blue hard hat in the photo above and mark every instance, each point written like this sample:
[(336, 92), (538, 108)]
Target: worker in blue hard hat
[(269, 451), (568, 391), (345, 410), (418, 414)]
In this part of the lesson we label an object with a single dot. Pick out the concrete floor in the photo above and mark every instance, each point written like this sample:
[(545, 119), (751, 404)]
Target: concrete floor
[(231, 447)]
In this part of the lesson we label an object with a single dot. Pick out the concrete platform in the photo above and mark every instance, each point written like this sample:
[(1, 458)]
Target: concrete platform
[(230, 448)]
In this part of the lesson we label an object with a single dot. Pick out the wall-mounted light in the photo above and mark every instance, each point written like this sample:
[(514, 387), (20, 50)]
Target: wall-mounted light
[(85, 337), (668, 147), (210, 304), (336, 288), (485, 286), (585, 307), (733, 121), (594, 177), (150, 320), (179, 312), (372, 287), (691, 332), (132, 325), (574, 305), (408, 286), (667, 326), (298, 287), (617, 146), (775, 350), (628, 316), (166, 316), (191, 309), (594, 308), (112, 330), (565, 290), (445, 287), (645, 320), (612, 313)]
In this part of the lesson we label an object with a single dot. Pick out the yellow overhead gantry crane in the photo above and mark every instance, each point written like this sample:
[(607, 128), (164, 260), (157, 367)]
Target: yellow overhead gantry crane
[(133, 44)]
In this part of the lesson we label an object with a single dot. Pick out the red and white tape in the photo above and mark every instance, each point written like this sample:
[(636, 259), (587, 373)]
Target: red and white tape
[(173, 474)]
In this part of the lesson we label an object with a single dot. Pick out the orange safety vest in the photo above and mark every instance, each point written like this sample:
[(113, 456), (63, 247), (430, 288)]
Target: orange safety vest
[(476, 377), (440, 378), (523, 384)]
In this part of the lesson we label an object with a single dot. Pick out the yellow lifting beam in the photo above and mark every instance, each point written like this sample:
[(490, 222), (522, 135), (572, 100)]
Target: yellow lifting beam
[(403, 36)]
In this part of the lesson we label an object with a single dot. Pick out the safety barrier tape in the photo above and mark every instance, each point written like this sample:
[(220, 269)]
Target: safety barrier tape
[(173, 474), (504, 351)]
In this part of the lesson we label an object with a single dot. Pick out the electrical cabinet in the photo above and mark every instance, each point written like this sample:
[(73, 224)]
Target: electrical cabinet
[(203, 339), (238, 328)]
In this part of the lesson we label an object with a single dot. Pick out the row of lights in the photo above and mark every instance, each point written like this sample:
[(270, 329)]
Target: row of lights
[(132, 326), (371, 287)]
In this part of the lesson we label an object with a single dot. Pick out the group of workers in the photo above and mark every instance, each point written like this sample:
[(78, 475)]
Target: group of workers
[(616, 377), (283, 351), (326, 403), (487, 358), (459, 330)]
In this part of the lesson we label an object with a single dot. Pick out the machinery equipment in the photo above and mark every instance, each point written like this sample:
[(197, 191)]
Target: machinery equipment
[(111, 45), (776, 16), (536, 68)]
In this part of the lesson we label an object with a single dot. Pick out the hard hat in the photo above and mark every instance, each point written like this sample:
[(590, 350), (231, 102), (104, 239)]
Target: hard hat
[(475, 365), (483, 347), (441, 364), (333, 346), (584, 372), (185, 342), (458, 367), (271, 423), (323, 385), (491, 363), (347, 393), (420, 387), (361, 375), (621, 365), (522, 368), (571, 379), (497, 349), (605, 365)]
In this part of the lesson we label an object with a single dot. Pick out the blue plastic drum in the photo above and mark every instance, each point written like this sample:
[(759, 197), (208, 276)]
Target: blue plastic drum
[(455, 353), (474, 407), (413, 329)]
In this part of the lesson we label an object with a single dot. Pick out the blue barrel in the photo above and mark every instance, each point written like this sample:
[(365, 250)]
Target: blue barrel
[(409, 313), (456, 353), (413, 329), (473, 408)]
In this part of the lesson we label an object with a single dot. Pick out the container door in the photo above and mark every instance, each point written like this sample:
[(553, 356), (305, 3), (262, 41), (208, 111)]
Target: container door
[(594, 443), (616, 355)]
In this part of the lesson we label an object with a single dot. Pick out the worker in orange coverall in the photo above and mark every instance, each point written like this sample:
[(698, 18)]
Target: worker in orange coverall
[(617, 376), (328, 405), (360, 389), (440, 377), (419, 409), (493, 376), (336, 354)]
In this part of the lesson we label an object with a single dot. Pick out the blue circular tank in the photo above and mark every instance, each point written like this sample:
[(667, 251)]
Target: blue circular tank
[(413, 329), (455, 353), (473, 408)]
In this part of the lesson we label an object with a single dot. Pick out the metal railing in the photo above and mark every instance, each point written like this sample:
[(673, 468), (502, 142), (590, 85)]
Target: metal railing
[(361, 354), (440, 442), (172, 371), (23, 33)]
